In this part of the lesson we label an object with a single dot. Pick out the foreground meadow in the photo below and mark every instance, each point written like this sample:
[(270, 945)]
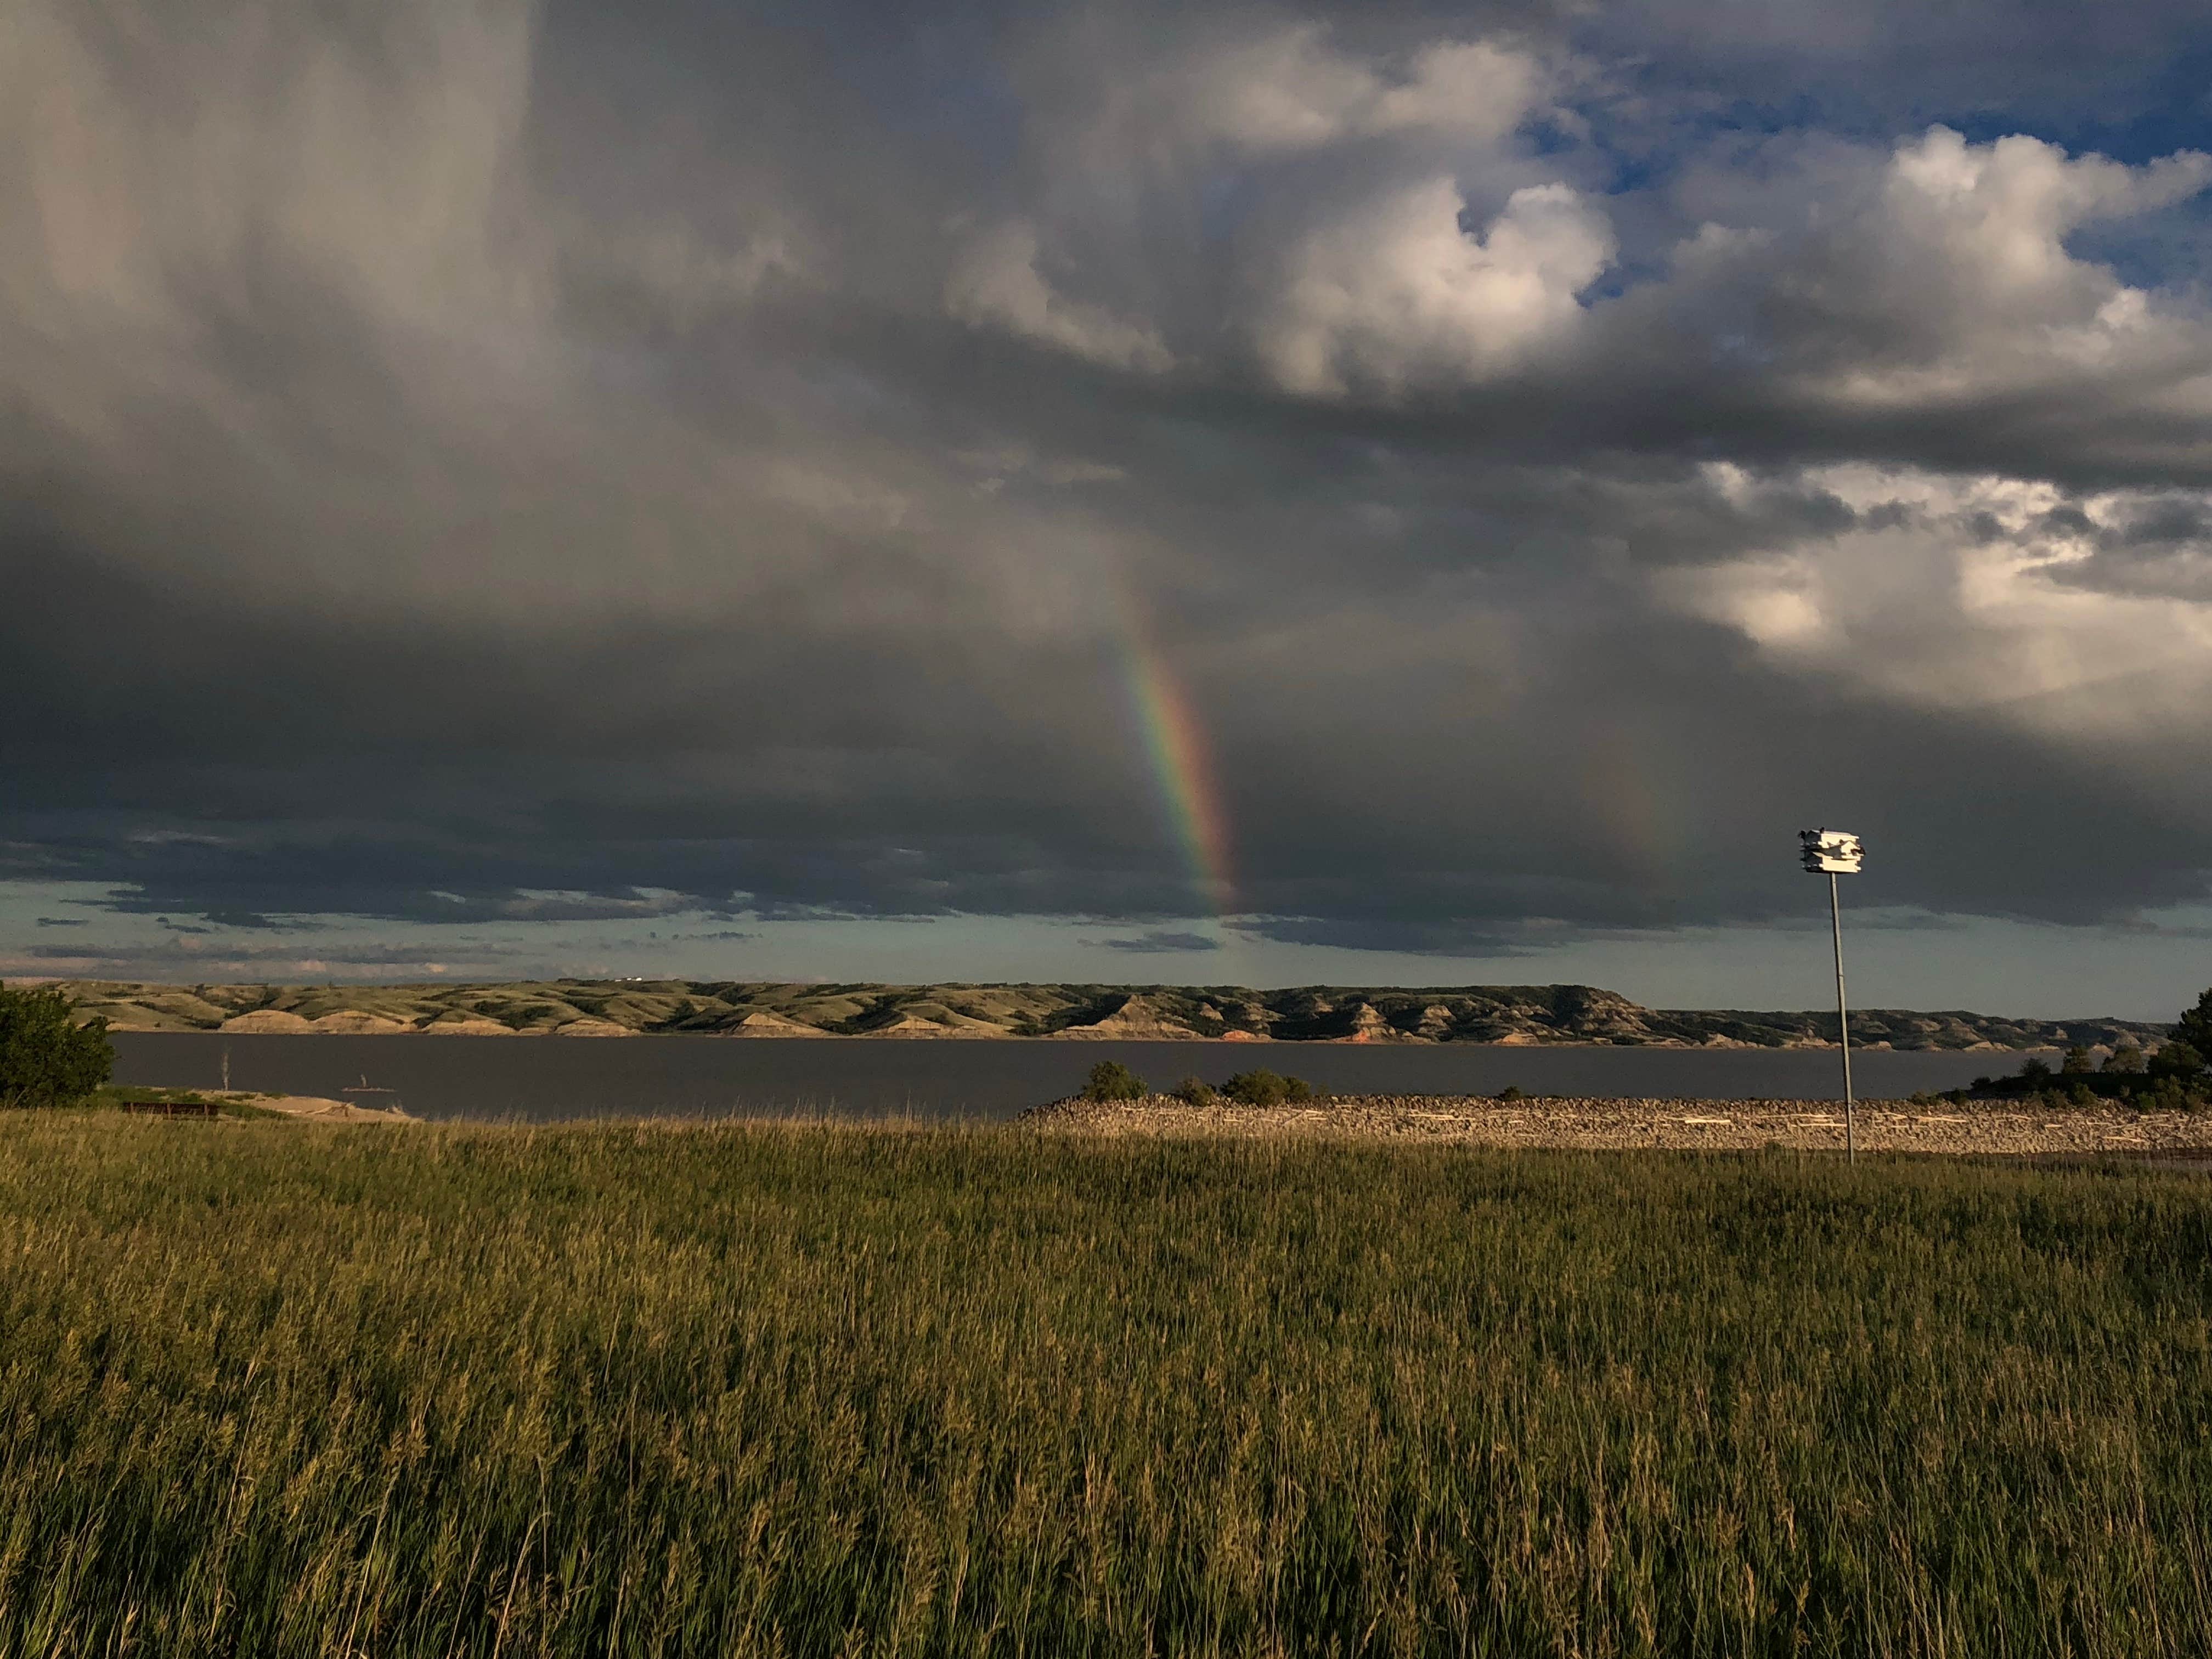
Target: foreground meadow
[(276, 1389)]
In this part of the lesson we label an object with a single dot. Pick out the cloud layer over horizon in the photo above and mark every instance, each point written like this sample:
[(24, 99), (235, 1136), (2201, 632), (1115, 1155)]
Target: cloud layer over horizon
[(521, 466)]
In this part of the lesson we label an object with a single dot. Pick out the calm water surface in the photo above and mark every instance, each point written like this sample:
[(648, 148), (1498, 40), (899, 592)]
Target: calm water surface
[(547, 1079)]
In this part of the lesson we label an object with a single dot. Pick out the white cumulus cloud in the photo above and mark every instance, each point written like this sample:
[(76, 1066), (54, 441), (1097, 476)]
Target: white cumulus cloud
[(1944, 272), (1396, 296), (1962, 594), (1292, 90)]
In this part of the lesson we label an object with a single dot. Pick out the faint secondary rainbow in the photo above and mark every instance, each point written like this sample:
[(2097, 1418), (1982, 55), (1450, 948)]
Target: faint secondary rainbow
[(1182, 762)]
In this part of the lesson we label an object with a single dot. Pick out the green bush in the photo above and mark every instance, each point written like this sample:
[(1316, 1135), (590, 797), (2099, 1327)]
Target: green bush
[(2167, 1094), (2173, 1077), (1265, 1088), (1111, 1080), (2126, 1061), (2177, 1059), (1509, 1093), (46, 1059), (1196, 1091)]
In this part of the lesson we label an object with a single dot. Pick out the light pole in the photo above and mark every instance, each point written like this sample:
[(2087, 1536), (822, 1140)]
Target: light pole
[(1833, 853)]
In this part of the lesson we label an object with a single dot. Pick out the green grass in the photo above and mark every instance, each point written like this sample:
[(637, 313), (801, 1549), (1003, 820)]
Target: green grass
[(273, 1390)]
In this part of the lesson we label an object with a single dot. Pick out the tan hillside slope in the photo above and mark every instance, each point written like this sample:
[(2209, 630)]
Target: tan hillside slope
[(1522, 1014)]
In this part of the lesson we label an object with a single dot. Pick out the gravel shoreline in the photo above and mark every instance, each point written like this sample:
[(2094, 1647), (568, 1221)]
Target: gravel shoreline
[(1888, 1126)]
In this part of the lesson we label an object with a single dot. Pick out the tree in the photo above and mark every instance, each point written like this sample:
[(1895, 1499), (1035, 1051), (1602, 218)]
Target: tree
[(45, 1058), (2195, 1027), (2177, 1059), (1111, 1080)]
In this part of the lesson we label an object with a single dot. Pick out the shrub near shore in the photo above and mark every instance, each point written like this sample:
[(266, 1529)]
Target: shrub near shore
[(656, 1390), (2175, 1077), (46, 1059), (1110, 1081)]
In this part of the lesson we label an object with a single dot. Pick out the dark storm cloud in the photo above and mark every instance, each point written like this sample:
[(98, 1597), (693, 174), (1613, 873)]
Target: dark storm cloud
[(202, 961), (494, 463), (1159, 941)]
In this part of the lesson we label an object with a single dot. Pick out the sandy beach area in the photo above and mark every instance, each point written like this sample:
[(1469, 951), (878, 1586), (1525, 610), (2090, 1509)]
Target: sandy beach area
[(316, 1108)]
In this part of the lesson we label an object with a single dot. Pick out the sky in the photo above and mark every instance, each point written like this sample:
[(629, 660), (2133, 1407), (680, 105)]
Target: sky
[(1392, 494)]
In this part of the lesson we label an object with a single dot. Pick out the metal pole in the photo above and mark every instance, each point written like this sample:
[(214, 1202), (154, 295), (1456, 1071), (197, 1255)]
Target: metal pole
[(1843, 1020)]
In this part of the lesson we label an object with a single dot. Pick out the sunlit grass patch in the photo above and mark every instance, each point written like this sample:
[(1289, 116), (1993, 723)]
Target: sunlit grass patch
[(745, 1389)]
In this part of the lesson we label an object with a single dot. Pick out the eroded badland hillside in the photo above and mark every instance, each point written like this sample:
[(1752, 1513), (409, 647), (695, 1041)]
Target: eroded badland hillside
[(1495, 1013)]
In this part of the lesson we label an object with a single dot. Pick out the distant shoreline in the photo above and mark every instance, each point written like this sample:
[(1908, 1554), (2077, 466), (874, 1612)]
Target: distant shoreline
[(1078, 1039), (1495, 1015)]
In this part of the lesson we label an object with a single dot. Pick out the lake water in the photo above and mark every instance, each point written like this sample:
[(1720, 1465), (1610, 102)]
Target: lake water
[(547, 1078)]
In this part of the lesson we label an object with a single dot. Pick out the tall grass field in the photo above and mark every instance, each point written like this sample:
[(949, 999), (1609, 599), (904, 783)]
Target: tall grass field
[(276, 1389)]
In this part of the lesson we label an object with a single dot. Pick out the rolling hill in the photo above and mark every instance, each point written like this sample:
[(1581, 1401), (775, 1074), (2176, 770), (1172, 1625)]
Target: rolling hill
[(1522, 1014)]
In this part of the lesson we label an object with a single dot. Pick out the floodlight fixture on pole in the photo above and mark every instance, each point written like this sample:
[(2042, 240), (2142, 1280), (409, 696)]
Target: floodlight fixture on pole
[(1833, 853)]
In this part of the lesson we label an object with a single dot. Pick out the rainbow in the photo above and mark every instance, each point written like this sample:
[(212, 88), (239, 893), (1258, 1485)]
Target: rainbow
[(1182, 765)]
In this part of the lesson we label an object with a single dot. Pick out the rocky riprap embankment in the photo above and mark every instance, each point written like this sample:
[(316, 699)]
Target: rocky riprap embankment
[(1660, 1124)]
